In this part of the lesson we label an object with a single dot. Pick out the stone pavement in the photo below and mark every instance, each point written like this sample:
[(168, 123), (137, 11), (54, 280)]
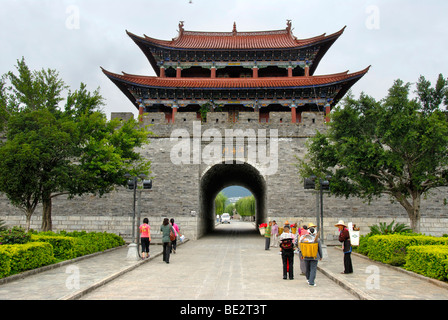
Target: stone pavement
[(230, 264)]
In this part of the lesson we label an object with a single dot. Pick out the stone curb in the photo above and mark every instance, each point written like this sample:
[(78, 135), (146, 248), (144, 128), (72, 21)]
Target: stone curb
[(80, 293), (365, 296), (361, 295), (410, 273)]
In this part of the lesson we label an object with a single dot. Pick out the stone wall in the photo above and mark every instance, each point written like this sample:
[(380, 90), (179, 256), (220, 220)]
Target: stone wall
[(176, 188)]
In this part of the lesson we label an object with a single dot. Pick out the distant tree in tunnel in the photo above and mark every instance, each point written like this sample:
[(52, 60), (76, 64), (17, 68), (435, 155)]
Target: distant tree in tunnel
[(220, 203), (246, 206), (229, 208)]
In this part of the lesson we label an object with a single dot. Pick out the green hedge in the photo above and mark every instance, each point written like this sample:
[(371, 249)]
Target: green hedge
[(46, 247), (64, 248), (392, 248), (16, 258), (430, 261), (100, 241), (69, 245), (15, 235), (5, 263)]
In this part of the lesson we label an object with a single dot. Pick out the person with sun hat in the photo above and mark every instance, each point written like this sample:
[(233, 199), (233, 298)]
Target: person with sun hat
[(344, 237)]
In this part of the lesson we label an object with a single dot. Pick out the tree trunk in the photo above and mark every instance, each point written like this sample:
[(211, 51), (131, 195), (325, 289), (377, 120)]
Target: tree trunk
[(414, 214), (413, 209), (46, 216), (28, 221)]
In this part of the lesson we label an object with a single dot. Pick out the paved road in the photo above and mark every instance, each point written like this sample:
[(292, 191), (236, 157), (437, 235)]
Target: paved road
[(228, 264)]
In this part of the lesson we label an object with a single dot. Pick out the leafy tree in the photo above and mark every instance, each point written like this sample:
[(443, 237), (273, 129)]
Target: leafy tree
[(51, 151), (246, 206), (220, 203), (397, 146), (229, 208)]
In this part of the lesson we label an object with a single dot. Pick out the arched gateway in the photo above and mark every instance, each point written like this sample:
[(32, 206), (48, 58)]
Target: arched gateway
[(222, 175)]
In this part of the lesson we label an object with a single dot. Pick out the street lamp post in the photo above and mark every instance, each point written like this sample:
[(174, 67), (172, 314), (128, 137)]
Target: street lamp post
[(132, 185)]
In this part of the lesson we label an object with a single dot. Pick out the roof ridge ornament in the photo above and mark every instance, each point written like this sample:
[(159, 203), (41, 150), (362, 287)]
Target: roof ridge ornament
[(234, 29), (288, 25), (181, 28)]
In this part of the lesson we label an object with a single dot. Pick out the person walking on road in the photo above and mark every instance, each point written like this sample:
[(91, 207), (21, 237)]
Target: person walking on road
[(267, 235), (145, 238), (302, 232), (176, 229), (344, 237), (274, 234), (287, 250), (311, 260), (165, 228)]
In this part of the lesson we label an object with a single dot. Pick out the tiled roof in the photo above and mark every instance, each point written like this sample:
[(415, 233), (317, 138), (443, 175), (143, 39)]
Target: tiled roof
[(216, 83), (237, 40)]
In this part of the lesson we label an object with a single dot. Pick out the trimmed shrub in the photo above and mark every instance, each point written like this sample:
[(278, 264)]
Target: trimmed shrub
[(100, 241), (69, 245), (430, 261), (64, 248), (5, 263), (26, 256), (363, 247), (392, 248), (15, 235)]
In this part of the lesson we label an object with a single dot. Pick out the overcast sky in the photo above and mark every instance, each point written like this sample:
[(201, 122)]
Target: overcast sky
[(399, 38)]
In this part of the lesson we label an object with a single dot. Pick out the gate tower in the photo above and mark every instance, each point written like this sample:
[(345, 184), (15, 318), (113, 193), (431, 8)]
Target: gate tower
[(221, 81)]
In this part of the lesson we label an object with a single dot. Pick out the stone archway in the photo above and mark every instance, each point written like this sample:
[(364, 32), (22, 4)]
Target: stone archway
[(222, 175)]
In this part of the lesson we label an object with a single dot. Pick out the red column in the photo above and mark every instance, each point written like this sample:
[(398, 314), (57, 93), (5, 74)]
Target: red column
[(255, 72), (307, 71), (178, 72), (293, 114), (173, 115), (140, 113), (327, 112), (162, 72), (289, 71), (213, 72)]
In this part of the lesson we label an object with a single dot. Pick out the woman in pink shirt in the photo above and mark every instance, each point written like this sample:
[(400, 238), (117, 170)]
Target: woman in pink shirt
[(145, 237), (176, 229)]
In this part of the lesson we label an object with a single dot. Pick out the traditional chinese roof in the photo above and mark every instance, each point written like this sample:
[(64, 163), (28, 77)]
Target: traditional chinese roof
[(275, 39), (229, 83), (124, 80), (236, 41)]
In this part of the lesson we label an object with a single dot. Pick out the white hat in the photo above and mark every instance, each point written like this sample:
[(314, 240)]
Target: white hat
[(340, 223)]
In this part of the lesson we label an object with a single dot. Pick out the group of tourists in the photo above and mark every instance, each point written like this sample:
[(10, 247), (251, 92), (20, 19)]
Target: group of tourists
[(170, 234), (307, 244)]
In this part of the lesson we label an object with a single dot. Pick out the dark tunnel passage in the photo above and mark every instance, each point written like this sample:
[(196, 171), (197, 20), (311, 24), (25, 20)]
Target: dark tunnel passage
[(221, 176)]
